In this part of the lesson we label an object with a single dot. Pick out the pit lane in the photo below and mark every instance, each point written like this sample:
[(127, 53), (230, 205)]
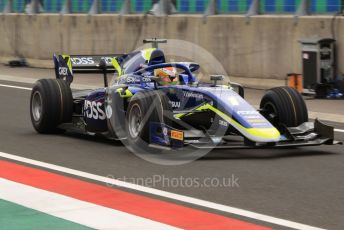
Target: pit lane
[(300, 184)]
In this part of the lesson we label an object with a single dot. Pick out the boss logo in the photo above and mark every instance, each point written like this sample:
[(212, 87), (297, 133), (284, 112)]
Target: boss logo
[(63, 71), (82, 61), (94, 110)]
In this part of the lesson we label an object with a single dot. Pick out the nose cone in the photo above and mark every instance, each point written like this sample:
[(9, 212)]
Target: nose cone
[(263, 134)]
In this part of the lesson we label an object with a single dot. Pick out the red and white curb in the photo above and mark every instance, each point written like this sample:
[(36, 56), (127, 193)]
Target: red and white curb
[(138, 205), (101, 207), (81, 212)]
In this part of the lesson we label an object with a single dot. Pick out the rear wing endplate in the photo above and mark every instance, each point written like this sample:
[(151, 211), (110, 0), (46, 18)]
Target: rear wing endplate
[(67, 65)]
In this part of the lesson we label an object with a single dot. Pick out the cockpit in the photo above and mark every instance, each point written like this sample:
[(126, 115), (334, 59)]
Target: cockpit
[(149, 66)]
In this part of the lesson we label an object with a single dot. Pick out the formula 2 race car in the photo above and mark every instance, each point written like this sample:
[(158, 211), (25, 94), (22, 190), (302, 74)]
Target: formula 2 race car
[(143, 109)]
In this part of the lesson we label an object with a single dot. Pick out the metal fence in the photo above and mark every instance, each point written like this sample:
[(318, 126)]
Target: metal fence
[(183, 6)]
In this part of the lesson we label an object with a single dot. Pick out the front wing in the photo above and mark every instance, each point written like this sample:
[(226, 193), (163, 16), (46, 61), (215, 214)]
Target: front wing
[(307, 134)]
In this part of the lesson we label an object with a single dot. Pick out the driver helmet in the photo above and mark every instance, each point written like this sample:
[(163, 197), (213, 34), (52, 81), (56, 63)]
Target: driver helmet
[(168, 75)]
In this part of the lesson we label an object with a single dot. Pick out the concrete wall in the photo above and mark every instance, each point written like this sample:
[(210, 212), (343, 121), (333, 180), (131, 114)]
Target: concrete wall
[(258, 47)]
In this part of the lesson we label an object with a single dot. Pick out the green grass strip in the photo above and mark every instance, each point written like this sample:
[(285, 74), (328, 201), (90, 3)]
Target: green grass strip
[(17, 217)]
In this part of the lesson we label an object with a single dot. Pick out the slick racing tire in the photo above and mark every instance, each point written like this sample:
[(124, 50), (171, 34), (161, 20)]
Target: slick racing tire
[(284, 106), (145, 107), (51, 104)]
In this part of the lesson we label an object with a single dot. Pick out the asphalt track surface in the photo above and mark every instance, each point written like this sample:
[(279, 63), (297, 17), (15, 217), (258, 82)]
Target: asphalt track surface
[(304, 184)]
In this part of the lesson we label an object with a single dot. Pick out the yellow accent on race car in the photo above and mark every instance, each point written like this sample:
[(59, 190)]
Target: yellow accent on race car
[(256, 121), (147, 53), (177, 135), (269, 133), (179, 115), (127, 93), (117, 66), (69, 62), (264, 132)]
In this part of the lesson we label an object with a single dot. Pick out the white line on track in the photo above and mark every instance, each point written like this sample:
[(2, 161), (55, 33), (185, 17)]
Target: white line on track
[(15, 87), (161, 193), (68, 208), (27, 88)]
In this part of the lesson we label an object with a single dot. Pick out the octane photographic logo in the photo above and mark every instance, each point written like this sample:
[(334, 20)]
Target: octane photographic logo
[(182, 51), (163, 181)]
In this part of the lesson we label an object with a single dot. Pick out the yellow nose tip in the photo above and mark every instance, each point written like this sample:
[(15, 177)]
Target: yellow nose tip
[(266, 133)]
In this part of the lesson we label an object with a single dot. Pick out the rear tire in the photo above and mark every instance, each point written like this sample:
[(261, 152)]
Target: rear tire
[(51, 104), (284, 105)]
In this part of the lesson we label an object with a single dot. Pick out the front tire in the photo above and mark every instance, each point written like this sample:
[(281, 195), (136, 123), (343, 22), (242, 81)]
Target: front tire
[(144, 108), (284, 106), (51, 104)]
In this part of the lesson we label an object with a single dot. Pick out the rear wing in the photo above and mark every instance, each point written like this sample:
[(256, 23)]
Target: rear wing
[(67, 65)]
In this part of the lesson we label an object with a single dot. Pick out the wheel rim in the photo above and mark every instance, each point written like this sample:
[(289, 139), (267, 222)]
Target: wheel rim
[(36, 106), (270, 112), (135, 120)]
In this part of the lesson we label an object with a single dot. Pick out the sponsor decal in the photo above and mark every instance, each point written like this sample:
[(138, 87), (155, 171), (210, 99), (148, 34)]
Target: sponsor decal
[(89, 60), (260, 124), (108, 111), (63, 71), (130, 80), (177, 135), (223, 123), (175, 104), (93, 110), (254, 117), (165, 131), (108, 60), (146, 79), (192, 95), (82, 61), (248, 112)]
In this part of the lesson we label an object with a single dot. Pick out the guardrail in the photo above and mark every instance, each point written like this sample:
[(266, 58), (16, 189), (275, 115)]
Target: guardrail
[(163, 7)]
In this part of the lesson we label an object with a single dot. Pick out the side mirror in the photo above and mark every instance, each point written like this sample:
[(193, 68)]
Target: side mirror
[(216, 78)]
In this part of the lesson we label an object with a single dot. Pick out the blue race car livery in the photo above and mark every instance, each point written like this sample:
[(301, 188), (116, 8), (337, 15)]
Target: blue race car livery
[(138, 108)]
